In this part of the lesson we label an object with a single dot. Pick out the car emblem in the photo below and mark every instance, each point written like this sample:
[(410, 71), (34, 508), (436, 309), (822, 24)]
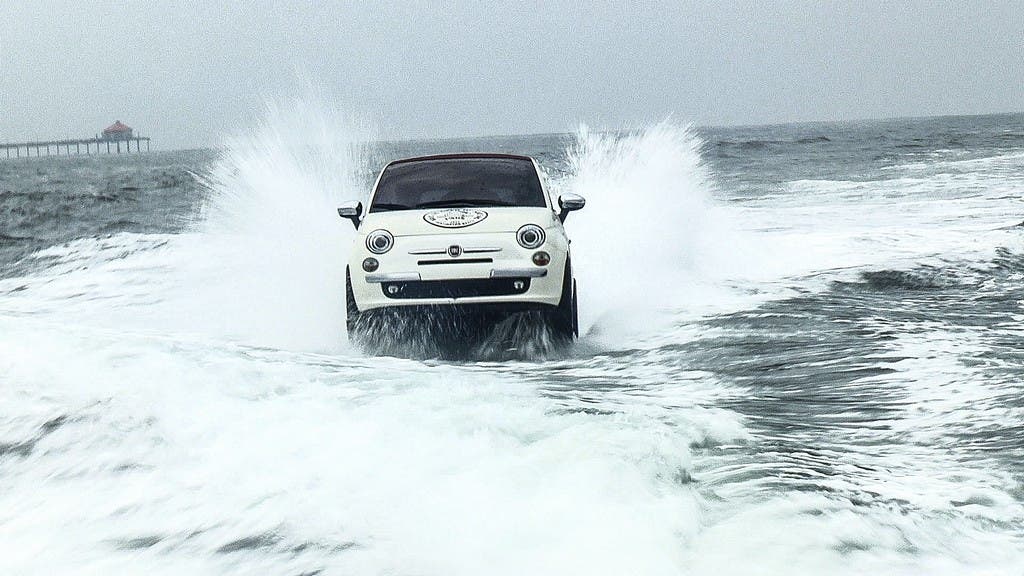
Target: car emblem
[(455, 217), (455, 251)]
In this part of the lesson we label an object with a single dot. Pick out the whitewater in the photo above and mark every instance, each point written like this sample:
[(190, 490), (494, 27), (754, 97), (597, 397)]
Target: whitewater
[(799, 354)]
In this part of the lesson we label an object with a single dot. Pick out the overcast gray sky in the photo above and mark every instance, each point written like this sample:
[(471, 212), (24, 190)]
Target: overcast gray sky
[(189, 72)]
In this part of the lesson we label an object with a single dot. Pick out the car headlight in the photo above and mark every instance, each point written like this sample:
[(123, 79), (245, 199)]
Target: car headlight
[(530, 236), (379, 241)]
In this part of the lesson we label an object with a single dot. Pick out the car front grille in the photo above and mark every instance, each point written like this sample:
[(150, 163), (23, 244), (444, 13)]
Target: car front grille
[(454, 261), (423, 289)]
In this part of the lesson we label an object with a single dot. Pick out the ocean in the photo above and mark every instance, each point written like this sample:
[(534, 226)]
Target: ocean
[(800, 353)]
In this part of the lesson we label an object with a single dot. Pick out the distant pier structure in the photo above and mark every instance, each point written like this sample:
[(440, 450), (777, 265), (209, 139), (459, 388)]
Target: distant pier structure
[(113, 138)]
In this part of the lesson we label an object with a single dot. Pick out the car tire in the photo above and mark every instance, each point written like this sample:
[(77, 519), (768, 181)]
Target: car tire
[(575, 311), (563, 320), (351, 310)]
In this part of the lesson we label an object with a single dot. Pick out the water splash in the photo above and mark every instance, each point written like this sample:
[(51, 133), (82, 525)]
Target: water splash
[(458, 335), (271, 238), (650, 237), (263, 263)]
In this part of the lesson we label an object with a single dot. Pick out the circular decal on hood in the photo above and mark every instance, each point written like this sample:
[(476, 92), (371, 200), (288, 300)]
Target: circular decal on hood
[(455, 217)]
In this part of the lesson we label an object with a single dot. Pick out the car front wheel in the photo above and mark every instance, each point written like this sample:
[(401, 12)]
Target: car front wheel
[(351, 310), (564, 321)]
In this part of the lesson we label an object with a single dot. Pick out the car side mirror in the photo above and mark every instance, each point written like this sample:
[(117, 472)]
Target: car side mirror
[(570, 203), (352, 211)]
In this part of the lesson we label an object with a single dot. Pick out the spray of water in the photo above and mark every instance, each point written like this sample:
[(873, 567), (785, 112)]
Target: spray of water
[(650, 238), (264, 263), (272, 245)]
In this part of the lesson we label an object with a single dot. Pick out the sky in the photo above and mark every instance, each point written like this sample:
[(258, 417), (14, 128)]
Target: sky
[(192, 73)]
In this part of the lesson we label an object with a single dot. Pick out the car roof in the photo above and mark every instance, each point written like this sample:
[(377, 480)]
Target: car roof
[(474, 155)]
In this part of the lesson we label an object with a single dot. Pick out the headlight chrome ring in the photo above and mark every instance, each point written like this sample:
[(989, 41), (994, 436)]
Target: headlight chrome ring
[(530, 236), (379, 241)]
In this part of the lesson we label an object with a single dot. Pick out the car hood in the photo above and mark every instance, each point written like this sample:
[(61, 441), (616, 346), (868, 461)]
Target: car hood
[(457, 220)]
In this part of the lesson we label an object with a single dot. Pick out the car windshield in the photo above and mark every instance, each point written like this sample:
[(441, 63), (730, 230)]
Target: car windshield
[(458, 182)]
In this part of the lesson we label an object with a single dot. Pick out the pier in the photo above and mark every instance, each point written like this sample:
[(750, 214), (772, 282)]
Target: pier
[(69, 147), (110, 142)]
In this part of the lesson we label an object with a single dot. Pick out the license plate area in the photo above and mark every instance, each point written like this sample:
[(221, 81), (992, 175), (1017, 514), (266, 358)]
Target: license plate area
[(476, 287)]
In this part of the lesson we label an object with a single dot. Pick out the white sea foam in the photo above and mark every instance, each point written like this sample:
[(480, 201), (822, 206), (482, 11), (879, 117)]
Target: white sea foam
[(844, 227), (365, 466)]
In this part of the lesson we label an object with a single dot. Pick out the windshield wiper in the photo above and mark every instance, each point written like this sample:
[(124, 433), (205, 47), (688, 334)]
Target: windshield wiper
[(464, 202), (389, 206)]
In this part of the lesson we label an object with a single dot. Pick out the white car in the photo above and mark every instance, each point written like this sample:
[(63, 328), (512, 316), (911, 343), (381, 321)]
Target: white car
[(467, 234)]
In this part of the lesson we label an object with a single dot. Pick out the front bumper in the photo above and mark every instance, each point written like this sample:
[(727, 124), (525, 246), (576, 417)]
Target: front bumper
[(492, 269), (381, 278)]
